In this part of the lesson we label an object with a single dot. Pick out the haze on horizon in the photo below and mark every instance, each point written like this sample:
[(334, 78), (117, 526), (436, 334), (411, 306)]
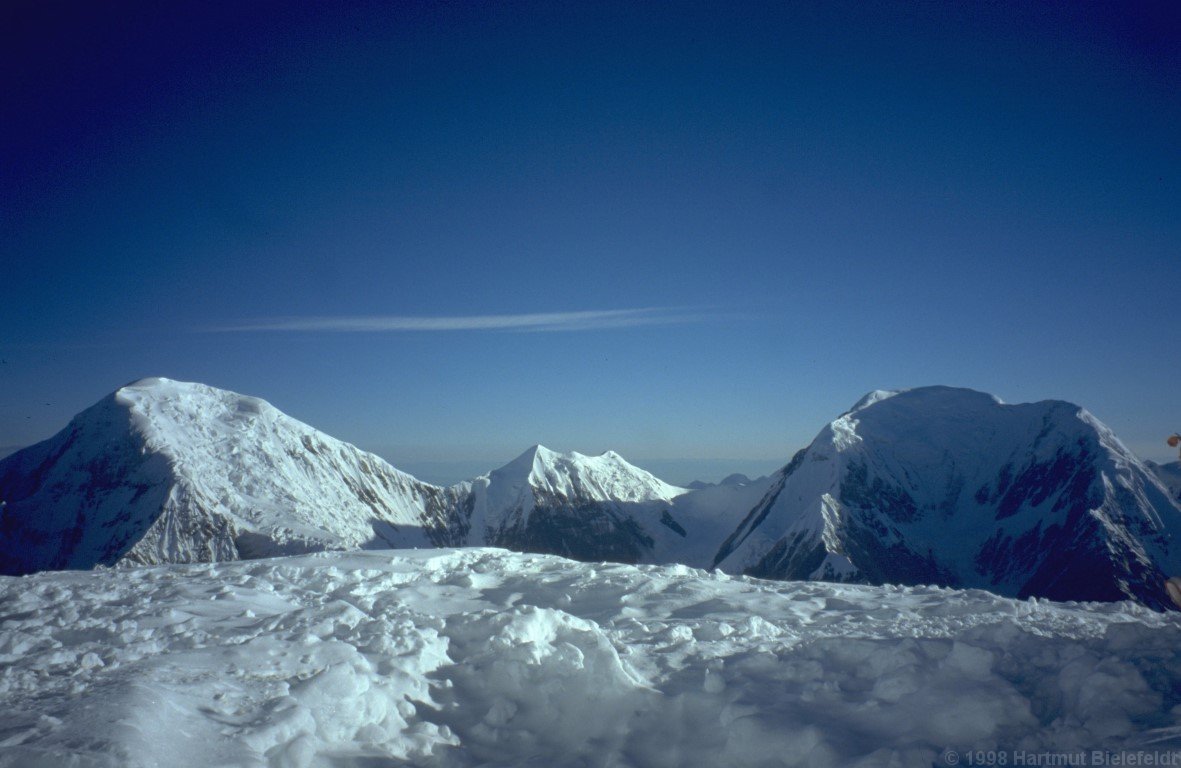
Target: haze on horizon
[(686, 232)]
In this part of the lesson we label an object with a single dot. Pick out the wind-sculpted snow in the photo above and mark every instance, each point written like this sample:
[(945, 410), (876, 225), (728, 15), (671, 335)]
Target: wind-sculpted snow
[(484, 657)]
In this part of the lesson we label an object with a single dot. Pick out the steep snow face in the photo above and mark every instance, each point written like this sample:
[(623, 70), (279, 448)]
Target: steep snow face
[(166, 471), (88, 495), (456, 658), (585, 507), (950, 486)]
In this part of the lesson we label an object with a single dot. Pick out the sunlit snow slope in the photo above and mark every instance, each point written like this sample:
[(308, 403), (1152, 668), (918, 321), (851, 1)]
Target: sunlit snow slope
[(166, 471), (485, 657), (950, 486)]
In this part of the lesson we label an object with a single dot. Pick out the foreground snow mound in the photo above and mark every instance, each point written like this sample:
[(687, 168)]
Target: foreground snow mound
[(949, 486), (484, 657), (167, 471)]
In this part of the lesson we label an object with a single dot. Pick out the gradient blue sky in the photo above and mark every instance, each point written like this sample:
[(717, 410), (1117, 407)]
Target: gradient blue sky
[(784, 207)]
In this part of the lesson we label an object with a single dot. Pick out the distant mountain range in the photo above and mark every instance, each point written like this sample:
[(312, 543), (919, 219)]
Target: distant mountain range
[(737, 479), (933, 485)]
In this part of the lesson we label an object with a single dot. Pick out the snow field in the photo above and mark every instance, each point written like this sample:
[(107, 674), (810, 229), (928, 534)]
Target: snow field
[(485, 657)]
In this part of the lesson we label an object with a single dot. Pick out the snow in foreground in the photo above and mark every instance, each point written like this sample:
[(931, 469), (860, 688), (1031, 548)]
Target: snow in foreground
[(475, 657)]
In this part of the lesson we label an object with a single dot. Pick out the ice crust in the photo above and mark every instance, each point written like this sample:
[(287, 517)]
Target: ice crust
[(486, 657)]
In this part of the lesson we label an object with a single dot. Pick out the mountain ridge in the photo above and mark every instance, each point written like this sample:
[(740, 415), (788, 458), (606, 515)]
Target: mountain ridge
[(929, 485)]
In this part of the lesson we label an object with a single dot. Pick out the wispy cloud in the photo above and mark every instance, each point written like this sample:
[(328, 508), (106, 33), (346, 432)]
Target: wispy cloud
[(538, 322)]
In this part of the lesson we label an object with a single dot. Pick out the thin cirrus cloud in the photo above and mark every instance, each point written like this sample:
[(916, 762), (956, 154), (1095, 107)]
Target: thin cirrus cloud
[(552, 322)]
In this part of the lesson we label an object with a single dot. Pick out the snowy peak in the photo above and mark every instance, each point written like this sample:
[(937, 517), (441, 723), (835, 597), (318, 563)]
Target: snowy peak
[(932, 485), (952, 486), (932, 429), (524, 466), (936, 395), (873, 397), (169, 471), (171, 412), (586, 507), (606, 477)]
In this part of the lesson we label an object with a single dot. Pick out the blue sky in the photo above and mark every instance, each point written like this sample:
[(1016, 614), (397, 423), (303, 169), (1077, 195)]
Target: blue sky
[(713, 226)]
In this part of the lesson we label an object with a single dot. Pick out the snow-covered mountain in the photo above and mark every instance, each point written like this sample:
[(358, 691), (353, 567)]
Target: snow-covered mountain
[(950, 486), (583, 507), (935, 485), (597, 508), (166, 471)]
